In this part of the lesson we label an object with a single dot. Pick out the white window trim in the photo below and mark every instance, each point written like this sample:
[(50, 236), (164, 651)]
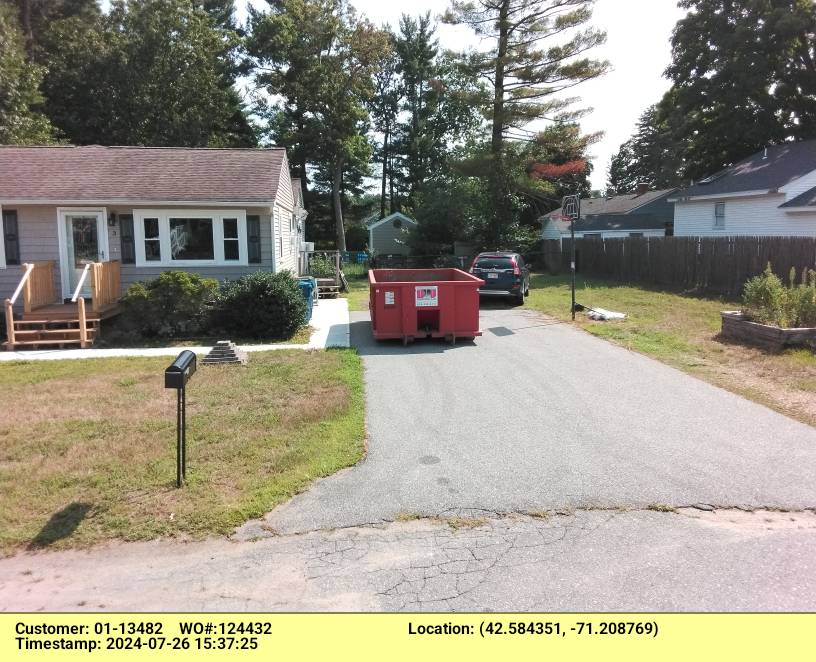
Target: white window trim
[(3, 238), (164, 216), (719, 226)]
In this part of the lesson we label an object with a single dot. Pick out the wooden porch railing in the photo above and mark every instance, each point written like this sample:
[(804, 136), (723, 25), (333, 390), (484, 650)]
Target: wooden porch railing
[(37, 288), (106, 284)]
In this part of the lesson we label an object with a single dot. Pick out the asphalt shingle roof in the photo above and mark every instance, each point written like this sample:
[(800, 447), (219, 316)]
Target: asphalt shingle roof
[(760, 172), (806, 199), (619, 204), (140, 173)]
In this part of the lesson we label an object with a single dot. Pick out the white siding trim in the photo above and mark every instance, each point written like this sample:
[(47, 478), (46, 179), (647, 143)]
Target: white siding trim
[(718, 196), (396, 214), (135, 201)]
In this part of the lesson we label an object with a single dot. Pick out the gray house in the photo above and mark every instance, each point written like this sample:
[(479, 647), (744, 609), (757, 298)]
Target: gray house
[(642, 213), (86, 222), (389, 235)]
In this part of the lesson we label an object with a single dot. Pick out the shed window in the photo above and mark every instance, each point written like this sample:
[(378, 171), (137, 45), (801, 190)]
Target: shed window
[(719, 215), (11, 238)]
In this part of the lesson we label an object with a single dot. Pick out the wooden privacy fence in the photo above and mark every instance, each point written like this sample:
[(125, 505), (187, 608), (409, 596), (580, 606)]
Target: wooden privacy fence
[(718, 265)]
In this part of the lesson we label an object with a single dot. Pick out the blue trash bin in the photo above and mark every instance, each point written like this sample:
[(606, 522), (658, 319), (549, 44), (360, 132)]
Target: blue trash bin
[(307, 287)]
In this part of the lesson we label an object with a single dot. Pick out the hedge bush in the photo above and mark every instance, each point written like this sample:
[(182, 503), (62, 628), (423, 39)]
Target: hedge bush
[(260, 305), (768, 300), (175, 304)]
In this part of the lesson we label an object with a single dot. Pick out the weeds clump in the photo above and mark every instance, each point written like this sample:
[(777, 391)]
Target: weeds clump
[(768, 300)]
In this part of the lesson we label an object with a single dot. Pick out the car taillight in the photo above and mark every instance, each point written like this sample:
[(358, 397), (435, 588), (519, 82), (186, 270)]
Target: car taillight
[(516, 270)]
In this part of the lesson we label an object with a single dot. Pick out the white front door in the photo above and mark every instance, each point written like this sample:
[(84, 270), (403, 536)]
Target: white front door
[(83, 239)]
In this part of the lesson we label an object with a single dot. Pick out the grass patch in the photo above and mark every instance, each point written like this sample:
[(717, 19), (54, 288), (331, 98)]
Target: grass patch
[(358, 294), (457, 523), (682, 331), (407, 517), (87, 447), (661, 508)]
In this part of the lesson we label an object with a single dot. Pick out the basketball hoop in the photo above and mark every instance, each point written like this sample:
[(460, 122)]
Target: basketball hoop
[(571, 211)]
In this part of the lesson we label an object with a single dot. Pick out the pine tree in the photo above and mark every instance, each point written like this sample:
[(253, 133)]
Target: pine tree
[(20, 122)]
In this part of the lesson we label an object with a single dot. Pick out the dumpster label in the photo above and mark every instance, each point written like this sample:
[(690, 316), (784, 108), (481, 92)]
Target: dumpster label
[(427, 296), (389, 298)]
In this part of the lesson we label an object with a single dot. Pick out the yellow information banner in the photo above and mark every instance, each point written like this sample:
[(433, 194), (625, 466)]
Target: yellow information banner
[(423, 637)]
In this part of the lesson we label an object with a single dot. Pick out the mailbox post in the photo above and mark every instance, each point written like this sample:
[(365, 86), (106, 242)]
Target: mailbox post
[(176, 376)]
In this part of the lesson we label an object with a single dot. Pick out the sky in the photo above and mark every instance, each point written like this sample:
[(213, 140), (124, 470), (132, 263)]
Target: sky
[(638, 33)]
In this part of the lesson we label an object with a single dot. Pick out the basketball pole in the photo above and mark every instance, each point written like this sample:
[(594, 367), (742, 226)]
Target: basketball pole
[(572, 264)]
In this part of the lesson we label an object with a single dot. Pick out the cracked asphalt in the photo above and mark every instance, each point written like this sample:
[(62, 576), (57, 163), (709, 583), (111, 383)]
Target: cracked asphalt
[(539, 415), (536, 469), (586, 561)]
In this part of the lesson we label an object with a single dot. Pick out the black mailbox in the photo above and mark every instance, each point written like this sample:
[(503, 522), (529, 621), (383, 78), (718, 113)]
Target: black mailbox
[(179, 371)]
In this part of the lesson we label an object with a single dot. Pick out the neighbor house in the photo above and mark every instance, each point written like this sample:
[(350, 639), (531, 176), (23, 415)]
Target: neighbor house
[(771, 193), (643, 213), (389, 235), (89, 221)]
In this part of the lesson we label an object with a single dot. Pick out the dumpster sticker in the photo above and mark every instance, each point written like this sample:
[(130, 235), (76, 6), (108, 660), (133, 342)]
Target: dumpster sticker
[(389, 298), (427, 296)]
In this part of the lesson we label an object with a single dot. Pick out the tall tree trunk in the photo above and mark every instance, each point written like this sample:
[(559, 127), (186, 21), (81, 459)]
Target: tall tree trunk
[(25, 20), (497, 136), (384, 172), (337, 200), (391, 209)]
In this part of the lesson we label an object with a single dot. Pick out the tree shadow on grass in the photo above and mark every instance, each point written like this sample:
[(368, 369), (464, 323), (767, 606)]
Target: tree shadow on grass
[(61, 524)]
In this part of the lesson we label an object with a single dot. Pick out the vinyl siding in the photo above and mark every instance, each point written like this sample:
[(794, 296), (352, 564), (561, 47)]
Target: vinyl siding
[(285, 205), (382, 239), (757, 216), (37, 228)]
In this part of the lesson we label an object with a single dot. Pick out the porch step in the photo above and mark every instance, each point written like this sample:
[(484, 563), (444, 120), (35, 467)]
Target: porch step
[(89, 321), (41, 343), (52, 332)]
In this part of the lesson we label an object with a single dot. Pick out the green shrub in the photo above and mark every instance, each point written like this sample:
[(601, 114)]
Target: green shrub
[(260, 305), (321, 267), (766, 299), (174, 304)]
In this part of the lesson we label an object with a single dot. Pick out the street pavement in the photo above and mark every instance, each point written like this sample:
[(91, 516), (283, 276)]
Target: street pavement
[(537, 415), (586, 561)]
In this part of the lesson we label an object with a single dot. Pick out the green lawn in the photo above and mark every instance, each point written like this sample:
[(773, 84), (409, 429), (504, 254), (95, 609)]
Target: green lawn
[(682, 330), (358, 294), (87, 447)]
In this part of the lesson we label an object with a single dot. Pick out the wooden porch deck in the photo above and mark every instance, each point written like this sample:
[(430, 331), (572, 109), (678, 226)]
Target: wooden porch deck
[(46, 321)]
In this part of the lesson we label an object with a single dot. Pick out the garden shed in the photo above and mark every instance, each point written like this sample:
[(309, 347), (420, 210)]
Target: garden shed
[(389, 235)]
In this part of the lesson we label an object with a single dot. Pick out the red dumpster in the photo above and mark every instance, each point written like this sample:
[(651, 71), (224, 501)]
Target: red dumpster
[(424, 303)]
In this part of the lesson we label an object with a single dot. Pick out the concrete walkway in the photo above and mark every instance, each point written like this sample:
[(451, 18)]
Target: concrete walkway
[(330, 321)]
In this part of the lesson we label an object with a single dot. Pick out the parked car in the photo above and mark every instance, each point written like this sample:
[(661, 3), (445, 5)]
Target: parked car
[(504, 274)]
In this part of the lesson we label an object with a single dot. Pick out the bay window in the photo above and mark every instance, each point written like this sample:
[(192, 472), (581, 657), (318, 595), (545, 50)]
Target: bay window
[(190, 237)]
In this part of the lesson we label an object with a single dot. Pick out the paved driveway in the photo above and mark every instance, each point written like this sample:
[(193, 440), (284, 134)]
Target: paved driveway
[(538, 415)]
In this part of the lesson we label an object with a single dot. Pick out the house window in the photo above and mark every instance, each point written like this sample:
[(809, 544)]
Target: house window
[(254, 239), (231, 248), (719, 215), (152, 241), (11, 239), (190, 238)]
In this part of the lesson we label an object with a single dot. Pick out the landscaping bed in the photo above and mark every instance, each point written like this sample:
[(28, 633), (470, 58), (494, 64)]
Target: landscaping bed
[(87, 447), (736, 326), (683, 331)]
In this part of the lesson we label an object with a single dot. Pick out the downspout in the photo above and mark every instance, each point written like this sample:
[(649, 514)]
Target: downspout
[(274, 240)]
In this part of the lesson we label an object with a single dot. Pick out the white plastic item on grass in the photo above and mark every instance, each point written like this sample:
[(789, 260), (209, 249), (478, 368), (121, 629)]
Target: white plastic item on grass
[(603, 315)]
